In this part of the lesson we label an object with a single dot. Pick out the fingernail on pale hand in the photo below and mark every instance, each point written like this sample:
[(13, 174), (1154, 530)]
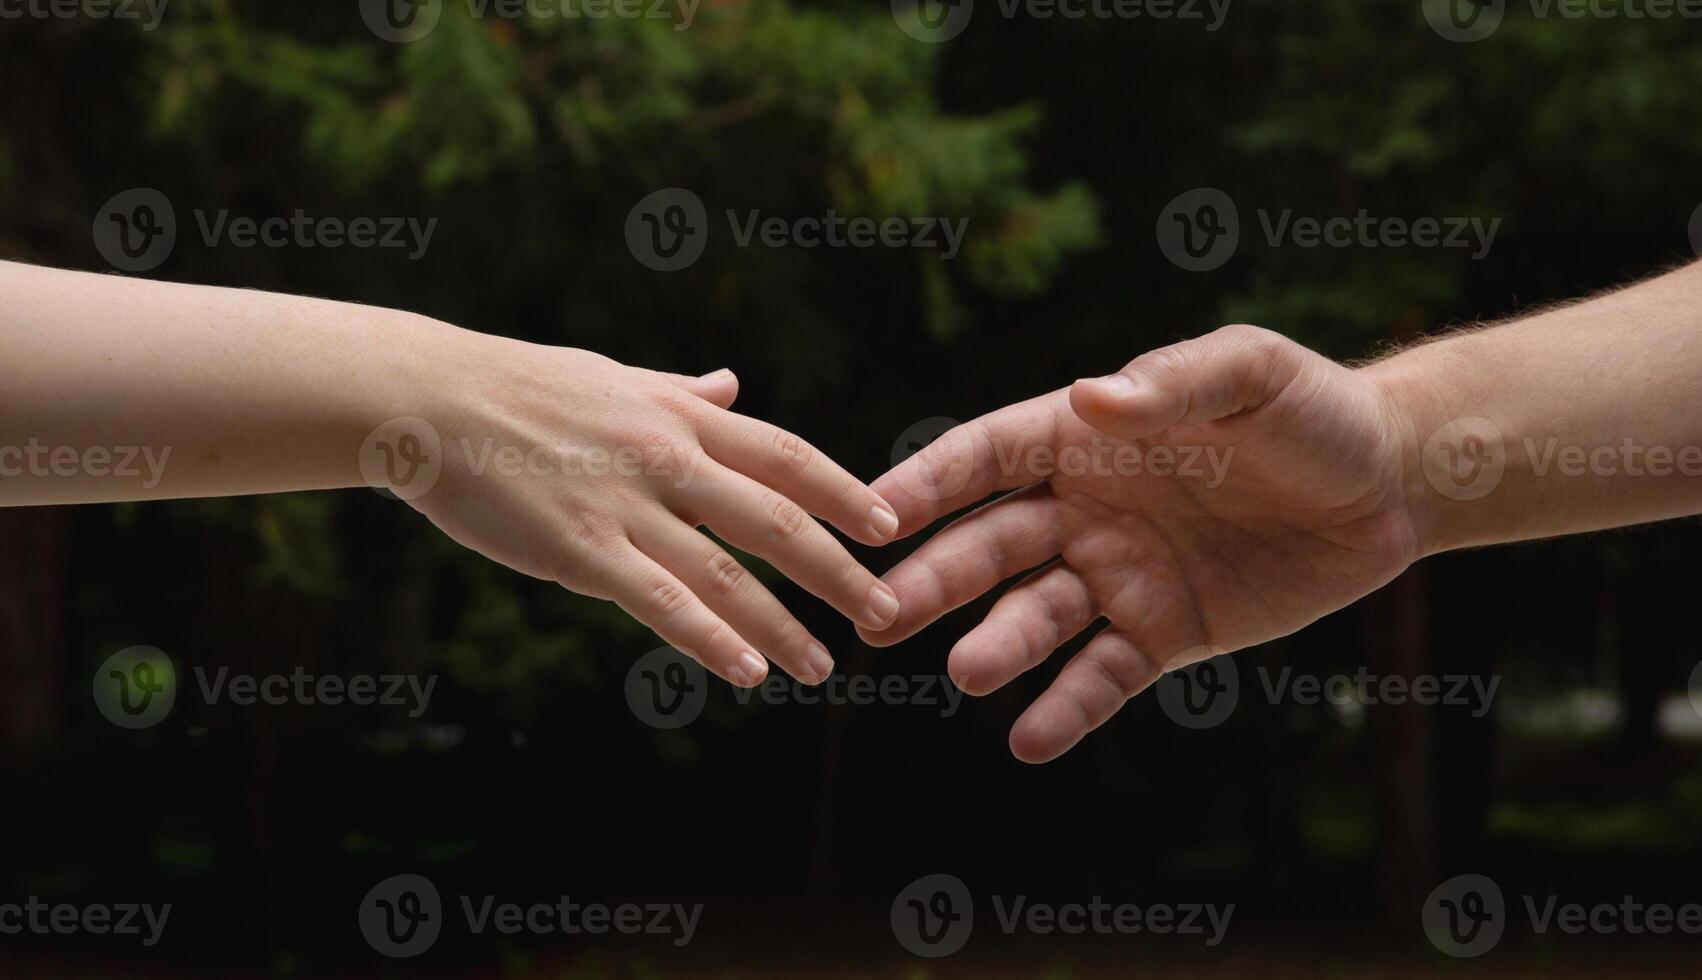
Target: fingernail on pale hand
[(820, 663), (717, 375), (749, 670), (883, 520), (883, 604)]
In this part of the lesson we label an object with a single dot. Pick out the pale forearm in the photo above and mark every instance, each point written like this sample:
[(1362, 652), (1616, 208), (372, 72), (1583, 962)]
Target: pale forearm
[(1595, 409), (126, 389)]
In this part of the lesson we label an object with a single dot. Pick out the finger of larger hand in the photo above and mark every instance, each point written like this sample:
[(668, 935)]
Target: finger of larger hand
[(971, 461), (1038, 615), (1096, 682), (1230, 370), (973, 554)]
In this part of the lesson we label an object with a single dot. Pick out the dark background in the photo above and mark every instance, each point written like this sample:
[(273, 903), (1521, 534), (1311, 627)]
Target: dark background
[(1061, 141)]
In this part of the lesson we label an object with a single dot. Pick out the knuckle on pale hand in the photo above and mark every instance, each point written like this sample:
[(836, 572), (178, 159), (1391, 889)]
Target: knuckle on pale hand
[(793, 453), (791, 635), (668, 599), (726, 573), (664, 454), (785, 518)]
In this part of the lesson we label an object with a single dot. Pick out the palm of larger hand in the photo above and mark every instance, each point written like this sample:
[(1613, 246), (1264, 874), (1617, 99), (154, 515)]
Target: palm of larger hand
[(1232, 533)]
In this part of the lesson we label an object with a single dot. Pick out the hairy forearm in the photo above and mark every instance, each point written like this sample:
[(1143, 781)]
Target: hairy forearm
[(1575, 419), (127, 389)]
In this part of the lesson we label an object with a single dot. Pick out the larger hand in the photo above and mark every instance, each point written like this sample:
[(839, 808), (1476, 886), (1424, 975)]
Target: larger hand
[(1212, 495)]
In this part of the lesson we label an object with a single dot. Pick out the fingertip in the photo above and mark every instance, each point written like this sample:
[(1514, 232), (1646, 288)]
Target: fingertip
[(719, 387), (883, 521), (1041, 734), (1028, 749), (1116, 404), (748, 670), (877, 638)]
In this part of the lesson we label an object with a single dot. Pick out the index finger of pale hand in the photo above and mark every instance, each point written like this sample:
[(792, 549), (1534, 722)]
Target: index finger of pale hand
[(782, 461)]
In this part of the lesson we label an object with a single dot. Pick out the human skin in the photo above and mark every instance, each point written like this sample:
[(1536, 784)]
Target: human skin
[(557, 462), (1334, 480)]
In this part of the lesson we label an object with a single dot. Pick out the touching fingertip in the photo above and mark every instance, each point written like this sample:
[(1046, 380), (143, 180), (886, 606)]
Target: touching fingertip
[(820, 663), (884, 520), (748, 670), (883, 605)]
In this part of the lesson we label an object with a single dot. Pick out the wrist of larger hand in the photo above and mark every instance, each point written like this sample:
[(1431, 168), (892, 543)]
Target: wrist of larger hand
[(1451, 459)]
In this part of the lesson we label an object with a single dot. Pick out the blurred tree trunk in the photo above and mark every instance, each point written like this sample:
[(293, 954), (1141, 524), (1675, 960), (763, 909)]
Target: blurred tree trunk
[(1396, 645), (34, 548)]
